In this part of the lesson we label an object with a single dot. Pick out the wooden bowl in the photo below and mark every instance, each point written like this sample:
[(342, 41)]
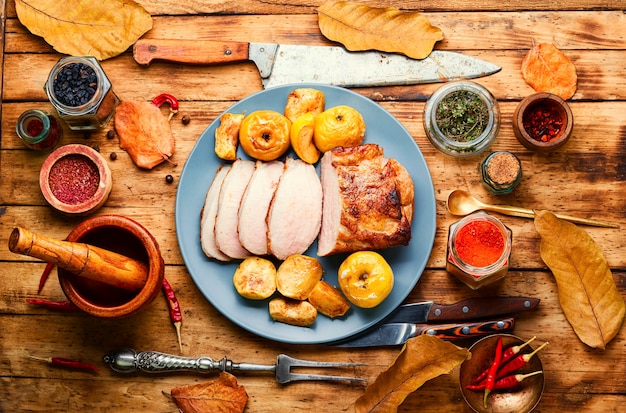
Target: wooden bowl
[(75, 180), (523, 398), (124, 236), (550, 102)]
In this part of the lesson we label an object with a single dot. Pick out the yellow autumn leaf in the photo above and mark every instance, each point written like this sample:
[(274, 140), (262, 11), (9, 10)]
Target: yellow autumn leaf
[(361, 27), (422, 358), (587, 292), (102, 29)]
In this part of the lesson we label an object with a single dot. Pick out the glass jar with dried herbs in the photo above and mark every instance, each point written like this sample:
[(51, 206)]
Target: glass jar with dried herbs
[(462, 119)]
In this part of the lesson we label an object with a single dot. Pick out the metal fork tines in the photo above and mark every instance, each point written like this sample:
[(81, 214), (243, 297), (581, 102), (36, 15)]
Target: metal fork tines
[(128, 361)]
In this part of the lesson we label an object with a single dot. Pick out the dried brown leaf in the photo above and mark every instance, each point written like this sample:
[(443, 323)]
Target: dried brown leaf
[(546, 69), (102, 29), (587, 293), (144, 133), (421, 359), (361, 27), (223, 395)]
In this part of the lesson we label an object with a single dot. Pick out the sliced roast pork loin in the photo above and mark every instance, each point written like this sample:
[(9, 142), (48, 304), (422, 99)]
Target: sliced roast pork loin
[(255, 205), (227, 219), (368, 201), (208, 215), (295, 213)]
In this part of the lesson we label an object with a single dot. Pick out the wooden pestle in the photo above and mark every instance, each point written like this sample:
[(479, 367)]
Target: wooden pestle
[(82, 259)]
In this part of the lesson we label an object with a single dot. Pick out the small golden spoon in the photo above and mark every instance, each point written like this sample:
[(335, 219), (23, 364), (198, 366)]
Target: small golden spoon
[(462, 203)]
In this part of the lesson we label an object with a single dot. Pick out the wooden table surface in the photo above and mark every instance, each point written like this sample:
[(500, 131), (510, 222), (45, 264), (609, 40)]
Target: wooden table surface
[(584, 178)]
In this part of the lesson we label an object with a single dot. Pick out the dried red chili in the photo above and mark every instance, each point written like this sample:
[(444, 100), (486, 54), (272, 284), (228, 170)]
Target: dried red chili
[(53, 305), (517, 362), (479, 243), (170, 100), (66, 363), (490, 381), (505, 382), (176, 314), (507, 355), (543, 122), (44, 276)]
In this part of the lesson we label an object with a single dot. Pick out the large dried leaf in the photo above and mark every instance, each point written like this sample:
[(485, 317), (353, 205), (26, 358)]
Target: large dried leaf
[(144, 133), (102, 29), (421, 359), (361, 27), (223, 395), (587, 293), (546, 69)]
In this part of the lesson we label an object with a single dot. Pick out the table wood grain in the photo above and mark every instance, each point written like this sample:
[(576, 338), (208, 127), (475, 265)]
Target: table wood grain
[(585, 178)]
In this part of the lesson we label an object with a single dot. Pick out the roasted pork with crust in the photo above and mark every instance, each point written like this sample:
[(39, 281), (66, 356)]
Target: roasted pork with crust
[(227, 218), (255, 205), (295, 213), (368, 201), (209, 214)]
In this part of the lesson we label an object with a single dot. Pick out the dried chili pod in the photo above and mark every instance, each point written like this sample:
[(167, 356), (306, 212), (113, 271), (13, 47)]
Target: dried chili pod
[(172, 102), (176, 314)]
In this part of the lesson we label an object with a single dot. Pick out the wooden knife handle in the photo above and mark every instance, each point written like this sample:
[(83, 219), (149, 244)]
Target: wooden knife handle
[(475, 308), (205, 52), (456, 331)]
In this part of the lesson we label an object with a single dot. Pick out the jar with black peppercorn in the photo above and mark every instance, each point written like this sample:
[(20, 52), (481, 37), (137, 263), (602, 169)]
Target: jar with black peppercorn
[(38, 130), (501, 172), (81, 93)]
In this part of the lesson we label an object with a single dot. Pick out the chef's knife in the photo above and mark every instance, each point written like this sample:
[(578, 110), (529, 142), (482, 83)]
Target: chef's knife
[(394, 334), (281, 64), (471, 309)]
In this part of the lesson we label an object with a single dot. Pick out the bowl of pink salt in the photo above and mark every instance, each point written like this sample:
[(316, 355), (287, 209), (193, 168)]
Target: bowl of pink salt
[(75, 180)]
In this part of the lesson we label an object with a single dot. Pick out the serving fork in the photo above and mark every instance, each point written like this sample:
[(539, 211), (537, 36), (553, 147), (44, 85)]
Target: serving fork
[(129, 361)]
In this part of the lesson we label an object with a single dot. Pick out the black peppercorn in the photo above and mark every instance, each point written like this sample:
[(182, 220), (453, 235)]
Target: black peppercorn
[(169, 179), (186, 119), (113, 156), (96, 148), (110, 134)]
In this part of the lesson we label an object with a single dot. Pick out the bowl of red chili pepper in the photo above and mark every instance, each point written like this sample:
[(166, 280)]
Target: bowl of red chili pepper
[(543, 122), (504, 374)]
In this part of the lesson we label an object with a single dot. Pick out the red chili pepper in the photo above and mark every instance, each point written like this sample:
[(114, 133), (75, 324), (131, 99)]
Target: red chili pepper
[(175, 314), (44, 276), (491, 376), (517, 362), (505, 382), (170, 100), (507, 355), (66, 363), (53, 305)]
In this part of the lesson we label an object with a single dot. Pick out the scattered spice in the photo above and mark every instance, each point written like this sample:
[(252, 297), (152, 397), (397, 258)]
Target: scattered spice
[(186, 119), (479, 243), (462, 115), (176, 314), (169, 179), (75, 84), (113, 156), (66, 363), (74, 179), (110, 134), (65, 306), (543, 121)]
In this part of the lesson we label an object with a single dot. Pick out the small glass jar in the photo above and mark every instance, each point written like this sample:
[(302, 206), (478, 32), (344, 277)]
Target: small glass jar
[(501, 172), (38, 130), (81, 93), (479, 249), (454, 130)]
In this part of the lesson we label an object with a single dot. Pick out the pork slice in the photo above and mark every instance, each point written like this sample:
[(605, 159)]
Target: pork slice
[(208, 215), (366, 201), (295, 213), (255, 205), (227, 219)]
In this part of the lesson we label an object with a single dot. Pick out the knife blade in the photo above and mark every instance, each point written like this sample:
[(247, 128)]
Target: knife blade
[(394, 334), (470, 309), (282, 63)]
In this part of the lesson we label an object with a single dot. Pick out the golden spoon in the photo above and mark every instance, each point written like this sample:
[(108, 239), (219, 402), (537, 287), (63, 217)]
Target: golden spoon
[(462, 203)]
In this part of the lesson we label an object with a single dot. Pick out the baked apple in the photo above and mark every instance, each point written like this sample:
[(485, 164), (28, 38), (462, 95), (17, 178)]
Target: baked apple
[(328, 300), (297, 275), (338, 126), (294, 312), (265, 135), (302, 138), (227, 136), (255, 278), (304, 100), (365, 278)]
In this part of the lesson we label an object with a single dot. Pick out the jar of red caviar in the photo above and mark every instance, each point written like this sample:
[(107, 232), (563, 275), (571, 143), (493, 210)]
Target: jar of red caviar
[(479, 249), (81, 93), (38, 130)]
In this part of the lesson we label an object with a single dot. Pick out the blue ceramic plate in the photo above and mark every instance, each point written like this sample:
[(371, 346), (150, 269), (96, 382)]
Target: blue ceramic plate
[(214, 279)]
